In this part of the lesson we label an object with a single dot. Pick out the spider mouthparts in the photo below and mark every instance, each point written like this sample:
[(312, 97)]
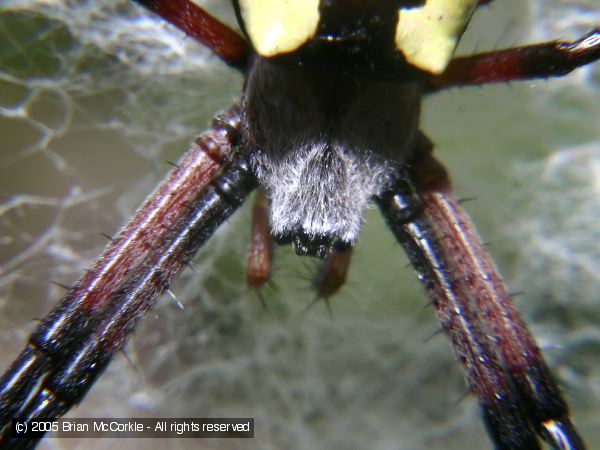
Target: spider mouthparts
[(308, 244)]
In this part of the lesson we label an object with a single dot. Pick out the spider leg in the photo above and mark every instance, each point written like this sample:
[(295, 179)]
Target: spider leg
[(550, 59), (224, 42), (503, 366), (73, 345), (258, 259), (520, 356), (332, 274)]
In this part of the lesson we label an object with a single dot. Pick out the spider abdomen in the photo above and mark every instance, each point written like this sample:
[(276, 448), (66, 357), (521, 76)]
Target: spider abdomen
[(322, 144)]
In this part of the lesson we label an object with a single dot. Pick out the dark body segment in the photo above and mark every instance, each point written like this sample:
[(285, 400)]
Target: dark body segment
[(356, 37), (322, 144)]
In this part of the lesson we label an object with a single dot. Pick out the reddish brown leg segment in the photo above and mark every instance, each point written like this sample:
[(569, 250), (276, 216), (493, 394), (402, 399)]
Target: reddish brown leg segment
[(520, 63), (458, 317), (479, 278), (503, 366), (332, 274), (258, 259), (72, 346), (224, 42)]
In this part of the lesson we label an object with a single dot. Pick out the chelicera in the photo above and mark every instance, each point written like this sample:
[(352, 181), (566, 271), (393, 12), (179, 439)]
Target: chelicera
[(328, 121)]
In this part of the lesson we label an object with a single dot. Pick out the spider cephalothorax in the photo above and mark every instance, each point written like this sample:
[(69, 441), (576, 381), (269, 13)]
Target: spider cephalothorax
[(322, 145), (331, 106)]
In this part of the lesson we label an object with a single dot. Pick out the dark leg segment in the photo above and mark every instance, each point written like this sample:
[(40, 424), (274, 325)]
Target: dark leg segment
[(503, 366), (258, 259), (550, 59), (224, 42), (73, 345)]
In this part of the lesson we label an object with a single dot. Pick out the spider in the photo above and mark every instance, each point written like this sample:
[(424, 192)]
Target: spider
[(420, 187)]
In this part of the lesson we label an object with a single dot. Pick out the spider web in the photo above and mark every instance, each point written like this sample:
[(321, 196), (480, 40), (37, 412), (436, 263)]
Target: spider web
[(96, 96)]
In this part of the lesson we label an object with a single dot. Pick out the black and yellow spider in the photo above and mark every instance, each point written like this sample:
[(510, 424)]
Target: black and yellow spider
[(328, 122)]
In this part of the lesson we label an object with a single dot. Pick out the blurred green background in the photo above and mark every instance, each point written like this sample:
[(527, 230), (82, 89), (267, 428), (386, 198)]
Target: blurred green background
[(96, 96)]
